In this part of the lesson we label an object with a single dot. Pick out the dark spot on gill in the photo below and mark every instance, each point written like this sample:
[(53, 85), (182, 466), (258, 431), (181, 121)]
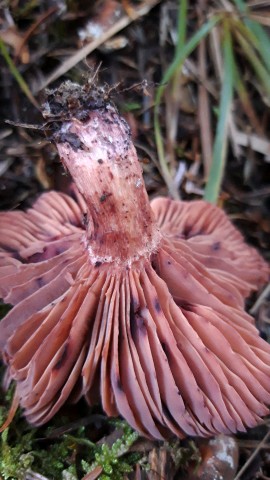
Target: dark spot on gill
[(100, 161), (157, 305), (137, 322), (187, 231), (97, 264), (62, 358), (216, 246), (59, 250), (40, 282), (140, 324), (119, 384)]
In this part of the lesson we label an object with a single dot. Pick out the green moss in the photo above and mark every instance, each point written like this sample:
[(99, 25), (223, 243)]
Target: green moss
[(53, 460), (15, 460), (20, 453), (109, 458), (66, 457)]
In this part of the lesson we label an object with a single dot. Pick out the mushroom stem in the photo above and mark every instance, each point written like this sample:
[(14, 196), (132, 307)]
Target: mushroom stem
[(102, 160)]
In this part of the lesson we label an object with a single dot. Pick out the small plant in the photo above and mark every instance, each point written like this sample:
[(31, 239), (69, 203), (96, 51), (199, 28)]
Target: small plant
[(108, 458)]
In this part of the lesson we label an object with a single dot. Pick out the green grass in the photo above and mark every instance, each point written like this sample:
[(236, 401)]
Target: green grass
[(239, 34), (182, 52), (16, 74), (221, 137)]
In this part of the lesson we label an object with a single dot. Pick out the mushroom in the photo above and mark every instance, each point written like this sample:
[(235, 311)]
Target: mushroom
[(140, 306)]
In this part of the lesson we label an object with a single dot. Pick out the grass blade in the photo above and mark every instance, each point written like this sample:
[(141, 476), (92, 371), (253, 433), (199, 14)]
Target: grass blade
[(259, 33), (177, 63), (181, 26), (244, 97), (221, 139), (255, 62), (262, 39), (16, 74)]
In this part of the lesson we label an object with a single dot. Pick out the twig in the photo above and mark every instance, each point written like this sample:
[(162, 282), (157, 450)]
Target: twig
[(252, 456)]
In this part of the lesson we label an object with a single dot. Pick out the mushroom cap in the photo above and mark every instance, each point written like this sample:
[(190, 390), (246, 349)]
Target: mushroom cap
[(164, 342)]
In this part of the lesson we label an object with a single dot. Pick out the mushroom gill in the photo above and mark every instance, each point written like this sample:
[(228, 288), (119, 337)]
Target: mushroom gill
[(135, 306)]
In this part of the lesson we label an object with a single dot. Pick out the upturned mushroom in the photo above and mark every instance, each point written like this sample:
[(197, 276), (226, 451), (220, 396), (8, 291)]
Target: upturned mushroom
[(137, 305)]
